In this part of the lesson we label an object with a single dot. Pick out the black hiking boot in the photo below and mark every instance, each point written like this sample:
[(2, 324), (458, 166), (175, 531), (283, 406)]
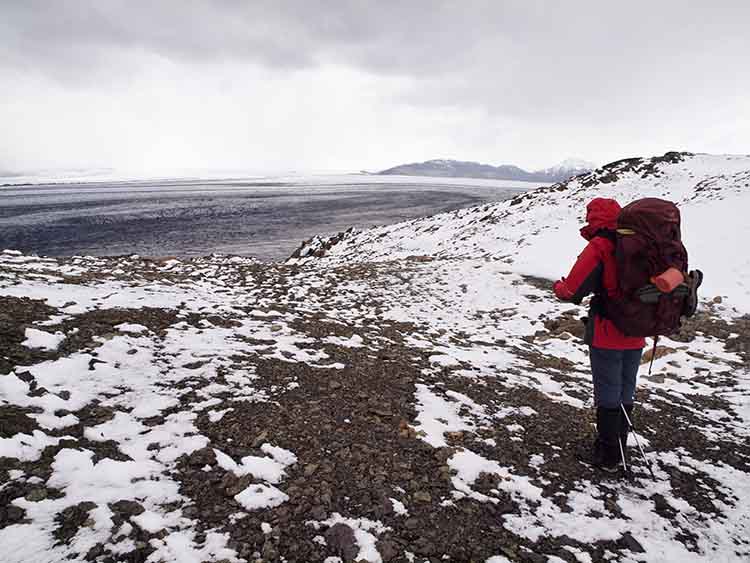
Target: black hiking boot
[(606, 454), (599, 458)]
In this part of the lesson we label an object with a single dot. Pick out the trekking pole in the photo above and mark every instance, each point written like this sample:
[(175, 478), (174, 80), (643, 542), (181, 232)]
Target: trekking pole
[(622, 454), (638, 442), (653, 355)]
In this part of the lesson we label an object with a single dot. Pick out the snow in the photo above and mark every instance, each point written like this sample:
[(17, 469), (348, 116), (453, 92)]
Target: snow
[(216, 416), (469, 466), (260, 496), (280, 455), (108, 480), (181, 546), (150, 521), (269, 469), (26, 447), (438, 416), (399, 507), (355, 341), (131, 328), (41, 339)]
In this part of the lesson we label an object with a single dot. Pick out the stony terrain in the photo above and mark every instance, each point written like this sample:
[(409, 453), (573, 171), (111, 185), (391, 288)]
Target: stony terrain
[(394, 399)]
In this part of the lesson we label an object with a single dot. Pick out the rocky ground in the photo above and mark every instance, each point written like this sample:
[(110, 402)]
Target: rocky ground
[(421, 409)]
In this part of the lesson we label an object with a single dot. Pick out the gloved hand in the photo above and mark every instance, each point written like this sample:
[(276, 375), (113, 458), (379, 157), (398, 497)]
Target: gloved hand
[(561, 290)]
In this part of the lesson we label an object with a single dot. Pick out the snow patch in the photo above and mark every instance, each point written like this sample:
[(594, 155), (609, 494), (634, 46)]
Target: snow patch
[(41, 339)]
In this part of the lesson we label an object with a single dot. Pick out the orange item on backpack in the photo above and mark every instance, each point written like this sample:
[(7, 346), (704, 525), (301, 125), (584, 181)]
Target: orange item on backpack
[(668, 280)]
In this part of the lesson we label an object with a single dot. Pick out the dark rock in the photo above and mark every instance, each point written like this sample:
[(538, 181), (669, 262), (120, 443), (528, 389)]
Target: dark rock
[(270, 552), (202, 457), (506, 507), (71, 519), (190, 511), (94, 552), (14, 513), (422, 496), (660, 503), (127, 508), (534, 557), (340, 538), (424, 546), (260, 438), (14, 420), (36, 495), (238, 485), (319, 513), (388, 549), (412, 523), (38, 392), (629, 542), (25, 376)]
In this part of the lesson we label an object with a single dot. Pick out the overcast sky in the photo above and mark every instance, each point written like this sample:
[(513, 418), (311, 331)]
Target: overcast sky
[(338, 85)]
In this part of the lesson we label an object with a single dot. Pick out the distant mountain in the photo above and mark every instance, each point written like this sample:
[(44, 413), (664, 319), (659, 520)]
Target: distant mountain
[(463, 169), (569, 167)]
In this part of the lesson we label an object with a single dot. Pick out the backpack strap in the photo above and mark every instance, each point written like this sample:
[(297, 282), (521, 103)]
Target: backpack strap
[(598, 305), (599, 300), (608, 234)]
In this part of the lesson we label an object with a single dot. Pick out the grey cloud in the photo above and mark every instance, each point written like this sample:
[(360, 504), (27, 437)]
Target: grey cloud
[(573, 71), (514, 56)]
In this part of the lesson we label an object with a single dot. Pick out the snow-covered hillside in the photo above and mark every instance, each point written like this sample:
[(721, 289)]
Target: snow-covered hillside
[(537, 233), (409, 393)]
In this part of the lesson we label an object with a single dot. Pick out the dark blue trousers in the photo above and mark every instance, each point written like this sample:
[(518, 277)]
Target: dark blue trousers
[(614, 373)]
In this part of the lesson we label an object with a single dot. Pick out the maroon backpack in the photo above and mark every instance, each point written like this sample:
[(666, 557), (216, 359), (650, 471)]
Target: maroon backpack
[(648, 243)]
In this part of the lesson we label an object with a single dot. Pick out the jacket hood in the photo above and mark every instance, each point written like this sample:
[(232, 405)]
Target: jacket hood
[(601, 213)]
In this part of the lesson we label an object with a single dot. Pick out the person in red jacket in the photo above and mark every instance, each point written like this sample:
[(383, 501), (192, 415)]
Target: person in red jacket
[(615, 357)]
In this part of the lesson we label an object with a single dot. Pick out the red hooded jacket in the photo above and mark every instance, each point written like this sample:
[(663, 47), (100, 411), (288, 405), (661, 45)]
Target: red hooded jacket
[(596, 268)]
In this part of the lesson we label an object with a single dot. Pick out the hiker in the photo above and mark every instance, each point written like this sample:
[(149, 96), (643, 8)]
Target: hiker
[(637, 268), (614, 357)]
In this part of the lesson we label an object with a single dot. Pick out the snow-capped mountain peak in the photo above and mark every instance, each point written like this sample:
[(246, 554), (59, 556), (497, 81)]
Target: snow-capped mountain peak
[(571, 165)]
